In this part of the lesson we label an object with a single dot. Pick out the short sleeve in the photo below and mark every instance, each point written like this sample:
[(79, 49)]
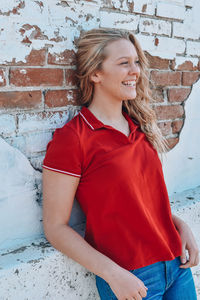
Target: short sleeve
[(63, 152)]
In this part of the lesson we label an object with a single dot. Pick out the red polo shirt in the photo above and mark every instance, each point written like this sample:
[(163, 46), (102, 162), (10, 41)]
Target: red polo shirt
[(121, 191)]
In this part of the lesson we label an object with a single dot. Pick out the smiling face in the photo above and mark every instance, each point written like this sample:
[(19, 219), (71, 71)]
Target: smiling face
[(119, 73)]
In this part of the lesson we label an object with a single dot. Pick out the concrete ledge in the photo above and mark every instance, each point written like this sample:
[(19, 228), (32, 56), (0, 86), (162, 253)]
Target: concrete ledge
[(186, 205), (39, 272), (36, 271)]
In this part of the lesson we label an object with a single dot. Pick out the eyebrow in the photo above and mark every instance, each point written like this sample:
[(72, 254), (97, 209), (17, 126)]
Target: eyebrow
[(126, 57)]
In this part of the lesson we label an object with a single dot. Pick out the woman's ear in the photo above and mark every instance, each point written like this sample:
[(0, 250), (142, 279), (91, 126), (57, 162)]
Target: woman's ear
[(95, 77)]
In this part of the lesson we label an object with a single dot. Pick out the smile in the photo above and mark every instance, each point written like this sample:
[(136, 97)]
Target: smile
[(131, 83)]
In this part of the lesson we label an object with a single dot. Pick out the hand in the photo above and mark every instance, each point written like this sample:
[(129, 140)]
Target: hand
[(188, 243), (127, 286)]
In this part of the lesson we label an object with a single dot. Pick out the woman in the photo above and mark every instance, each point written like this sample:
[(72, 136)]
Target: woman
[(107, 157)]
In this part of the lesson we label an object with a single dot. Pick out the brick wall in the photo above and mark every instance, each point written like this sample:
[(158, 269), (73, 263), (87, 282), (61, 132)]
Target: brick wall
[(37, 87)]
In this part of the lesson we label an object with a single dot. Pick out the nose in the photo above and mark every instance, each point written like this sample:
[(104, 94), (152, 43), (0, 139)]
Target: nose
[(134, 69)]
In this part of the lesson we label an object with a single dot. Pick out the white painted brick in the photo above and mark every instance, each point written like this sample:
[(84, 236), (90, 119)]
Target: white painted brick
[(30, 144), (170, 10), (120, 5), (17, 142), (37, 142), (146, 42), (185, 31), (180, 2), (169, 45), (144, 6), (193, 48), (189, 28), (41, 121), (118, 20), (7, 125), (117, 4), (155, 26), (189, 2), (44, 121)]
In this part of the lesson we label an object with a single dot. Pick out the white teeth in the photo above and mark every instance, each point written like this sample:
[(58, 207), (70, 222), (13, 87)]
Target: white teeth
[(129, 83)]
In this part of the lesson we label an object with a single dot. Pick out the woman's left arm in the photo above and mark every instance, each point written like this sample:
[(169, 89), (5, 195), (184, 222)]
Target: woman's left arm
[(188, 243)]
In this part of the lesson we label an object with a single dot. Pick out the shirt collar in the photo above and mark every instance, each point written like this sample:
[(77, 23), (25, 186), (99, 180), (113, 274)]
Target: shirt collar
[(94, 123)]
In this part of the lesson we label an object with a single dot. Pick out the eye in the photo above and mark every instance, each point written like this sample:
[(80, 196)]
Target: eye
[(124, 63), (137, 62)]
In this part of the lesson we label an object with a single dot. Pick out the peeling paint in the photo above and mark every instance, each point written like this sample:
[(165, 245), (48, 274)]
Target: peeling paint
[(7, 10), (34, 28), (183, 60)]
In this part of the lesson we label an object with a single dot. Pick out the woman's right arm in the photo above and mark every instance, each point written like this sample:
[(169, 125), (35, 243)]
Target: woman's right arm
[(58, 195)]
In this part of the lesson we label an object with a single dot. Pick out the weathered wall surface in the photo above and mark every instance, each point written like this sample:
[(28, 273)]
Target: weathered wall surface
[(182, 163), (37, 90), (19, 209)]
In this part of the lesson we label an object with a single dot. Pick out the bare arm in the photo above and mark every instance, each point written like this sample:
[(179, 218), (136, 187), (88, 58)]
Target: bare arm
[(188, 243), (58, 194)]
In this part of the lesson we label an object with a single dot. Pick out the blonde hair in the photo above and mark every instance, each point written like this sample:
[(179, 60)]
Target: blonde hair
[(90, 56)]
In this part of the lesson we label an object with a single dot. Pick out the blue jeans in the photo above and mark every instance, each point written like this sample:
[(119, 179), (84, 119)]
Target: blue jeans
[(164, 280)]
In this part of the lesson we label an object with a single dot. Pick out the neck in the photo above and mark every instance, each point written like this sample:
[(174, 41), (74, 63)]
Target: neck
[(106, 110)]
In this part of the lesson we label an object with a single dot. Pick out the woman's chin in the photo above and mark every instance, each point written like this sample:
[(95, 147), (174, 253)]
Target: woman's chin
[(131, 97)]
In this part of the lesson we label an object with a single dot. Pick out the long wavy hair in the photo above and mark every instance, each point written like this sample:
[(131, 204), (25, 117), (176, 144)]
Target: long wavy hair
[(90, 56)]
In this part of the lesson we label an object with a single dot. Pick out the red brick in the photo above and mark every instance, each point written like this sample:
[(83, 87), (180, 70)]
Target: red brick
[(186, 66), (60, 98), (172, 142), (35, 58), (157, 94), (167, 112), (177, 126), (36, 33), (165, 128), (64, 58), (27, 41), (70, 77), (156, 62), (178, 95), (28, 99), (2, 77), (166, 78), (144, 8), (36, 77), (190, 78)]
